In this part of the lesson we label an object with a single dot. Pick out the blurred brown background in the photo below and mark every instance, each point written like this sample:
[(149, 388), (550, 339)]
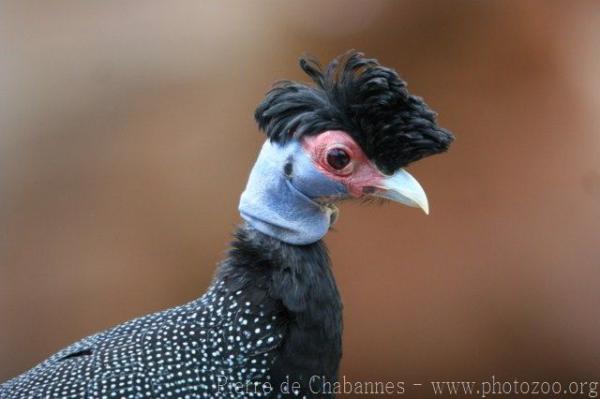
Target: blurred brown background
[(126, 137)]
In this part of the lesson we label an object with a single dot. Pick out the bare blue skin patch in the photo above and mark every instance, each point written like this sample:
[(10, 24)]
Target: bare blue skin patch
[(281, 196)]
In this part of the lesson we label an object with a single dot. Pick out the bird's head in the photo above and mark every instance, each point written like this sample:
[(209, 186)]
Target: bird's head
[(347, 136)]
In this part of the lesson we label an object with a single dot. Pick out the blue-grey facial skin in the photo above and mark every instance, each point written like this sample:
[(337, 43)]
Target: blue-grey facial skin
[(282, 200), (309, 180)]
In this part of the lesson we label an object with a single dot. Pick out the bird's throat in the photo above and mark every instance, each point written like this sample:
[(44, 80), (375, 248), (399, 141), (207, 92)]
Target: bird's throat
[(273, 205)]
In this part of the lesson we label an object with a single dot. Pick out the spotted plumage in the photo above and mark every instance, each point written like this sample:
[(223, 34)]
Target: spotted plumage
[(246, 323)]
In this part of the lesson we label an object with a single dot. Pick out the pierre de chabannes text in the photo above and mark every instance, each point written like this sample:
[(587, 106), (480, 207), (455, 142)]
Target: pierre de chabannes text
[(491, 387)]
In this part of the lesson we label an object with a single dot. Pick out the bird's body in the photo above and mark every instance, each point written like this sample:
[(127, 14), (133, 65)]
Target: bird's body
[(272, 316), (270, 324)]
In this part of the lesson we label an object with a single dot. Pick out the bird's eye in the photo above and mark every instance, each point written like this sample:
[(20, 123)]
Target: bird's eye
[(338, 158)]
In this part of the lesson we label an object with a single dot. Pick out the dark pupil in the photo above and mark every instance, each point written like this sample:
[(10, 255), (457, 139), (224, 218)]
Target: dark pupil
[(337, 158)]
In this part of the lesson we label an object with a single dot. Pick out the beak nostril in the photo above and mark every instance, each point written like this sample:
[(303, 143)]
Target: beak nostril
[(402, 187), (368, 189)]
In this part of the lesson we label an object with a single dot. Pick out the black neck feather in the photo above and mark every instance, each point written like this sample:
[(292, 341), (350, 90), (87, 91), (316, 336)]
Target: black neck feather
[(296, 282)]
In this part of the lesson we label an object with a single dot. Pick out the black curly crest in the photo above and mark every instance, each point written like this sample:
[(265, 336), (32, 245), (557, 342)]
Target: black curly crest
[(359, 96)]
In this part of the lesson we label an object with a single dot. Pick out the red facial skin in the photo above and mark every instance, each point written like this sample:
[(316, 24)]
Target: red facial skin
[(360, 176)]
